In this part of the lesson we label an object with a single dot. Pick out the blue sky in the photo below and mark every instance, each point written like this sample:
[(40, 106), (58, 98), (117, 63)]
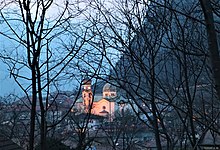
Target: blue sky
[(7, 84)]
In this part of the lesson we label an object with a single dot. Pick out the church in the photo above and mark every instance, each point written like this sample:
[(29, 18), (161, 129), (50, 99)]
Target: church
[(102, 104)]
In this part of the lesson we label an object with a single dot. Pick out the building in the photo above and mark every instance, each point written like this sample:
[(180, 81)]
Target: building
[(8, 144), (210, 140), (101, 104)]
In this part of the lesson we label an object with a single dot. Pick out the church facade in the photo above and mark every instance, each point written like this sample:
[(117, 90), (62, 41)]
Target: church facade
[(101, 104)]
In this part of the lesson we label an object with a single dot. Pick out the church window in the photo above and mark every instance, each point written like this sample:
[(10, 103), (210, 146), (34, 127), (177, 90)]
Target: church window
[(112, 94), (90, 95)]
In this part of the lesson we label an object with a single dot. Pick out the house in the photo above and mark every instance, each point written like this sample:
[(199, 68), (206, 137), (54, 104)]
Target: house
[(8, 144), (210, 141)]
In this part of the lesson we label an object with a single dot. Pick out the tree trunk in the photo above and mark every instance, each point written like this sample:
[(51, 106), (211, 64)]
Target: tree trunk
[(212, 43), (43, 128), (33, 110), (153, 105)]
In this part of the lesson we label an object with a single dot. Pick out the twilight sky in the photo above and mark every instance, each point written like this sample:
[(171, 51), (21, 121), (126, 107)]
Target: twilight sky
[(7, 84)]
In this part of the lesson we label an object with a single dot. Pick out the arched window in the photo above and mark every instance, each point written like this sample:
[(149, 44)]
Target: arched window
[(90, 95)]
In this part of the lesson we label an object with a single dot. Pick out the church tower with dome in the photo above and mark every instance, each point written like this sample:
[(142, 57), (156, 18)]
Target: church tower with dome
[(109, 91)]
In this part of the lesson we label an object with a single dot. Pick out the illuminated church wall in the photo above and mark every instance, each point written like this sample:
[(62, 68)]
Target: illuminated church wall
[(102, 105)]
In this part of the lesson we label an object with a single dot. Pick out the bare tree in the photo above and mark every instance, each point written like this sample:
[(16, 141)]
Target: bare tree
[(154, 51), (45, 39), (213, 47), (163, 60)]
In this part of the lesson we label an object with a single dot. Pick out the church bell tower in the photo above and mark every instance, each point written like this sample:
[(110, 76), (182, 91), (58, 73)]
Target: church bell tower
[(87, 94)]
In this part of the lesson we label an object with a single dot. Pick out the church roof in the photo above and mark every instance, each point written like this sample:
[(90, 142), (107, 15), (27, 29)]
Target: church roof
[(97, 98), (87, 81), (210, 139), (109, 88)]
